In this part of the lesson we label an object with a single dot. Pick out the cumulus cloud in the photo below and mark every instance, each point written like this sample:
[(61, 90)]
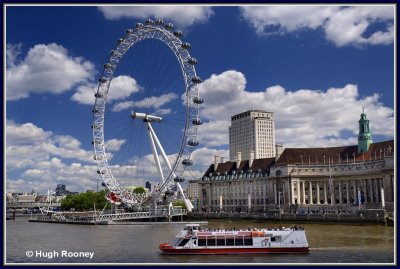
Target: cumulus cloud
[(154, 102), (39, 159), (27, 144), (45, 69), (303, 117), (342, 25), (121, 87), (114, 144), (182, 16)]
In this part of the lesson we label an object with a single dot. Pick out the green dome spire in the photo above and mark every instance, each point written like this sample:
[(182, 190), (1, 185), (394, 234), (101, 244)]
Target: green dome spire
[(364, 134)]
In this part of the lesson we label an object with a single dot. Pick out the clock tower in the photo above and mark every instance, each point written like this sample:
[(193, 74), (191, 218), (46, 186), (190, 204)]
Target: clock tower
[(364, 135)]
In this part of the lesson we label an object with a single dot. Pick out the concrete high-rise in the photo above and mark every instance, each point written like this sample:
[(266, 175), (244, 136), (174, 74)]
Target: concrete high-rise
[(253, 130)]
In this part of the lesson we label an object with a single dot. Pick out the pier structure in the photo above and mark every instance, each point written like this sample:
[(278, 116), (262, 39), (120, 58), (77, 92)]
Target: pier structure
[(108, 217)]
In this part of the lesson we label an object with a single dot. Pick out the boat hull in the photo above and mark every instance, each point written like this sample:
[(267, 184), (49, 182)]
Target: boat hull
[(171, 250)]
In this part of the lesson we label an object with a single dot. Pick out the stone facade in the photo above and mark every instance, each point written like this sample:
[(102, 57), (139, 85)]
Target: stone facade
[(316, 179)]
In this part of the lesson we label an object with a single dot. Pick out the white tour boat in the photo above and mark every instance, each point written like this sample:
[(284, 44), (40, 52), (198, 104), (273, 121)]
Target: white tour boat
[(194, 239)]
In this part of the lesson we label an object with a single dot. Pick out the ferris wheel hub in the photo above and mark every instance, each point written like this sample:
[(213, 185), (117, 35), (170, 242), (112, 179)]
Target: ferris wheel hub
[(145, 117)]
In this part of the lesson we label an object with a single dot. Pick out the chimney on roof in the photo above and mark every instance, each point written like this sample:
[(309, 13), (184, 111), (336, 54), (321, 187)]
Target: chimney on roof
[(238, 158), (251, 159), (216, 162), (278, 151)]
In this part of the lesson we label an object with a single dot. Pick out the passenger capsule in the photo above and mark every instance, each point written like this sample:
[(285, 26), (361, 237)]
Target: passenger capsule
[(116, 54), (169, 192), (97, 157), (197, 121), (178, 34), (98, 95), (96, 127), (149, 21), (101, 172), (179, 179), (103, 184), (139, 25), (187, 162), (95, 111), (102, 80), (198, 100), (192, 61), (108, 66), (186, 46), (121, 40), (159, 21), (169, 26), (129, 31), (196, 80), (193, 142)]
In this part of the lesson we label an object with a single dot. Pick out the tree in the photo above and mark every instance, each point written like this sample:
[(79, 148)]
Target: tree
[(84, 201), (179, 203), (139, 190)]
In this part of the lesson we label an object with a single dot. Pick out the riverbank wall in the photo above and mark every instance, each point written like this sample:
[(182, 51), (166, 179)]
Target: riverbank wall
[(377, 216)]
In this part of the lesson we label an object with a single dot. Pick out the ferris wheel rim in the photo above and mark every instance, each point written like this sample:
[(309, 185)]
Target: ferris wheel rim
[(186, 63)]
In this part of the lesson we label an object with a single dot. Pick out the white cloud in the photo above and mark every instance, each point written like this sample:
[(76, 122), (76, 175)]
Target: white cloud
[(45, 69), (121, 87), (38, 159), (27, 145), (114, 144), (304, 117), (26, 133), (342, 25), (12, 52), (182, 16), (154, 102)]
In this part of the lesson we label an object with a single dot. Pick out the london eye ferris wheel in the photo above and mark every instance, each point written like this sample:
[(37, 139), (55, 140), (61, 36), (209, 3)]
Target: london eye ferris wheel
[(146, 114)]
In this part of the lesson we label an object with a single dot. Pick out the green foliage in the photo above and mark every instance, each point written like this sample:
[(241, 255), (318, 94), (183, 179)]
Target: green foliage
[(179, 203), (139, 190), (85, 201)]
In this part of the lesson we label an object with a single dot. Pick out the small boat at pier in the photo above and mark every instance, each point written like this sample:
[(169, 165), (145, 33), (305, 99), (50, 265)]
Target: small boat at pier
[(196, 240)]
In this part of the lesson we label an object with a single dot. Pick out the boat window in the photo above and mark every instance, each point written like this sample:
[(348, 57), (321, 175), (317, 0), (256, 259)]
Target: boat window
[(248, 241), (202, 242), (211, 242), (176, 241), (220, 242), (183, 242), (230, 241), (238, 241), (276, 238)]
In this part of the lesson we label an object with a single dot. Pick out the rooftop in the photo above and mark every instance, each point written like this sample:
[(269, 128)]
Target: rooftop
[(335, 155)]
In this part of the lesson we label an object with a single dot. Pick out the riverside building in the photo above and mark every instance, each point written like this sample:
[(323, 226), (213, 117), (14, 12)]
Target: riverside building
[(313, 179)]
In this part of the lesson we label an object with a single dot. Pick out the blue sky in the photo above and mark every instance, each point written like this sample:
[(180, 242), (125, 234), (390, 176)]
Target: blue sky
[(315, 67)]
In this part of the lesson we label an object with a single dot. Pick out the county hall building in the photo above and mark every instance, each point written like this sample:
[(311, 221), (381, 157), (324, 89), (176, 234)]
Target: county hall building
[(317, 179)]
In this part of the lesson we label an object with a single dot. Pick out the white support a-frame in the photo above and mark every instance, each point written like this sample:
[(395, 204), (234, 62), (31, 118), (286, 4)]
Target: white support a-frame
[(156, 143)]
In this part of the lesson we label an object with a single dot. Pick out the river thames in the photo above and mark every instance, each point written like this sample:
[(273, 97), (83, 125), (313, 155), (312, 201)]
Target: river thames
[(138, 244)]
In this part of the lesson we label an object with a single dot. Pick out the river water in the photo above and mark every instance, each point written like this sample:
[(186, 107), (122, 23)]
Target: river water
[(138, 244)]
